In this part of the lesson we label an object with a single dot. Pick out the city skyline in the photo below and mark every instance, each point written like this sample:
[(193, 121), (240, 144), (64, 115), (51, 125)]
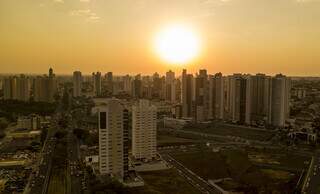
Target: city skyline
[(236, 36), (159, 97)]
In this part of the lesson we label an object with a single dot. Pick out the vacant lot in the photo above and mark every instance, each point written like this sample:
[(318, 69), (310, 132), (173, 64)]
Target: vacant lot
[(233, 130), (235, 164), (164, 182), (166, 140), (277, 174), (278, 158)]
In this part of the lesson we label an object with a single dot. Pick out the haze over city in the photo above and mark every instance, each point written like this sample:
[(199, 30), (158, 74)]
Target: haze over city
[(247, 36)]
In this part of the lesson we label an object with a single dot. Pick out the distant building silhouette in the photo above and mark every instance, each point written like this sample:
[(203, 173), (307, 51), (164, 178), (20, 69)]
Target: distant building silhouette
[(77, 83)]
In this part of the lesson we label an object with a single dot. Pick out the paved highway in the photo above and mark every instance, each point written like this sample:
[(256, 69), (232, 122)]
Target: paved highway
[(76, 169), (312, 184), (39, 179)]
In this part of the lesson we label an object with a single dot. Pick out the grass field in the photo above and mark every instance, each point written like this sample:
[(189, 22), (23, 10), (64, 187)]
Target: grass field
[(164, 182)]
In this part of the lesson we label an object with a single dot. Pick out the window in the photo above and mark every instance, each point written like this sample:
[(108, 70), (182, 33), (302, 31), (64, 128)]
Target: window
[(103, 120)]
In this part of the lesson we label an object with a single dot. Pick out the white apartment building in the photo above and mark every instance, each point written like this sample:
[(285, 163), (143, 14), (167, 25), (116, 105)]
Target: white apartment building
[(279, 100), (113, 139), (144, 130)]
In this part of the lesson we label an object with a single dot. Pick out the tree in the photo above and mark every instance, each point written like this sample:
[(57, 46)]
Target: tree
[(60, 134), (2, 134), (63, 123), (3, 123), (80, 133), (43, 135), (316, 124)]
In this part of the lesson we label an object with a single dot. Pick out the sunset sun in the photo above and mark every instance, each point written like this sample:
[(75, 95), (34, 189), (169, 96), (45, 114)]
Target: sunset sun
[(177, 44)]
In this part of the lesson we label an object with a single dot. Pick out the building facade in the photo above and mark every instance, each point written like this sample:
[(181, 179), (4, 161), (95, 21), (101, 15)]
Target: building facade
[(187, 94), (170, 87), (216, 97), (113, 139), (77, 84), (17, 88), (44, 89), (279, 101), (96, 81), (144, 130)]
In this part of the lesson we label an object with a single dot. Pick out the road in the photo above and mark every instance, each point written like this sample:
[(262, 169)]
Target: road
[(74, 164), (76, 169), (39, 180), (40, 177), (312, 182)]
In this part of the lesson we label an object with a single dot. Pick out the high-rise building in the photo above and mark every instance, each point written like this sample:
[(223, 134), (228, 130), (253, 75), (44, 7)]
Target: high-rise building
[(240, 98), (23, 88), (178, 90), (113, 139), (109, 82), (148, 88), (216, 96), (109, 77), (9, 85), (144, 130), (187, 94), (202, 96), (77, 83), (127, 85), (158, 88), (96, 80), (260, 94), (279, 100), (137, 87), (45, 87), (170, 87), (51, 74), (17, 88)]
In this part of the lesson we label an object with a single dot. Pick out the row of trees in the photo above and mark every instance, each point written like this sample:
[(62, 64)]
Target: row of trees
[(10, 109)]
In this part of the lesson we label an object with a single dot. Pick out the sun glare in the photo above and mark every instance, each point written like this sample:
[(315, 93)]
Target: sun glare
[(177, 44)]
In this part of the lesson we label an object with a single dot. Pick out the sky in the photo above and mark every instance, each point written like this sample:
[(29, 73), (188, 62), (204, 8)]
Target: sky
[(237, 36)]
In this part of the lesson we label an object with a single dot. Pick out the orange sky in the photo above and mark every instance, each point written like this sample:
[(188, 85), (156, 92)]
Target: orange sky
[(251, 36)]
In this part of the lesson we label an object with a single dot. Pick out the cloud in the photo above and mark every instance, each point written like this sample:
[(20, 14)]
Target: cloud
[(80, 12), (58, 1), (306, 1), (87, 14), (213, 1)]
